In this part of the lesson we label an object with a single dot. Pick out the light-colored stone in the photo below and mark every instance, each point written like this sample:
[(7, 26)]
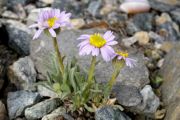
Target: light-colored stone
[(22, 73), (163, 19), (47, 1), (142, 37), (43, 91), (129, 41), (77, 23)]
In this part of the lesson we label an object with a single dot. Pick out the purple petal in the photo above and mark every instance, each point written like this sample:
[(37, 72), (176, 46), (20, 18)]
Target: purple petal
[(119, 57), (108, 36), (84, 37), (55, 26), (52, 32), (104, 52), (112, 43), (82, 44), (37, 34), (33, 25), (86, 50), (95, 52)]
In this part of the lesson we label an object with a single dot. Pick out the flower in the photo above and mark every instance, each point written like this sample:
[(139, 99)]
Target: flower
[(51, 19), (125, 56), (135, 6), (96, 44)]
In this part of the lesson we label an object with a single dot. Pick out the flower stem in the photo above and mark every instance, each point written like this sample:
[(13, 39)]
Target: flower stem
[(91, 70), (117, 68), (58, 53)]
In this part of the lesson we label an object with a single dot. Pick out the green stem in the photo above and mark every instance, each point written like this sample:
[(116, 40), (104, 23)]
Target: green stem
[(118, 66), (58, 53), (91, 70)]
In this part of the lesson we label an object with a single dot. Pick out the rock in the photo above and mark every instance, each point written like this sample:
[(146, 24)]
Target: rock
[(166, 46), (19, 36), (173, 111), (3, 112), (170, 2), (128, 96), (137, 76), (163, 19), (1, 83), (155, 37), (94, 7), (47, 1), (10, 15), (45, 92), (115, 17), (168, 31), (176, 15), (129, 41), (109, 113), (18, 101), (76, 8), (41, 109), (23, 74), (170, 72), (59, 113), (142, 37), (77, 23), (159, 6), (107, 9), (149, 104), (143, 21), (2, 3)]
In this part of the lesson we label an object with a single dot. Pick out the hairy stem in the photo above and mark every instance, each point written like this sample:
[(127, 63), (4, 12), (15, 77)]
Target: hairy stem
[(58, 53), (91, 70)]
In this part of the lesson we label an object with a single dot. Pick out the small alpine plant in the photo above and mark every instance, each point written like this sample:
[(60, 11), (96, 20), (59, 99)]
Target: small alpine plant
[(71, 82)]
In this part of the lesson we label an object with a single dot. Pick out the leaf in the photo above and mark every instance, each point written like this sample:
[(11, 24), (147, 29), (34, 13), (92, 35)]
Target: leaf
[(90, 109)]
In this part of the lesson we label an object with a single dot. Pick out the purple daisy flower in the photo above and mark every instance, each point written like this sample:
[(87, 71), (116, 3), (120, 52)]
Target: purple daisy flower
[(51, 19), (124, 56), (96, 44)]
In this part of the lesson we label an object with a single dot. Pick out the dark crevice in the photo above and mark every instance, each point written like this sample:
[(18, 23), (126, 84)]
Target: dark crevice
[(4, 37)]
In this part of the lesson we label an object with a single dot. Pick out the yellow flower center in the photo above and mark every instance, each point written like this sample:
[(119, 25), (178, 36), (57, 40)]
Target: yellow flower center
[(97, 40), (123, 54), (52, 21)]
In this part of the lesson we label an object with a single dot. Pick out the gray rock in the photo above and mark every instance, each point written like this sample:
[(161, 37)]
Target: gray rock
[(169, 31), (76, 8), (19, 100), (109, 113), (129, 41), (59, 113), (94, 7), (159, 6), (149, 104), (43, 91), (144, 21), (176, 15), (137, 76), (171, 72), (3, 112), (127, 96), (155, 37), (173, 111), (19, 36), (41, 109), (23, 74), (2, 3)]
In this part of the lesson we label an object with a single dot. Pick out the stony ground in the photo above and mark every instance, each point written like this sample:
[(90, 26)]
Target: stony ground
[(149, 91)]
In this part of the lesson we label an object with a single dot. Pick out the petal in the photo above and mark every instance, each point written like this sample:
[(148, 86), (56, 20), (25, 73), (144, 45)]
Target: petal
[(37, 34), (52, 32), (56, 26), (112, 43), (86, 50), (95, 52), (105, 55), (84, 37), (33, 25), (82, 44), (108, 36), (119, 57)]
